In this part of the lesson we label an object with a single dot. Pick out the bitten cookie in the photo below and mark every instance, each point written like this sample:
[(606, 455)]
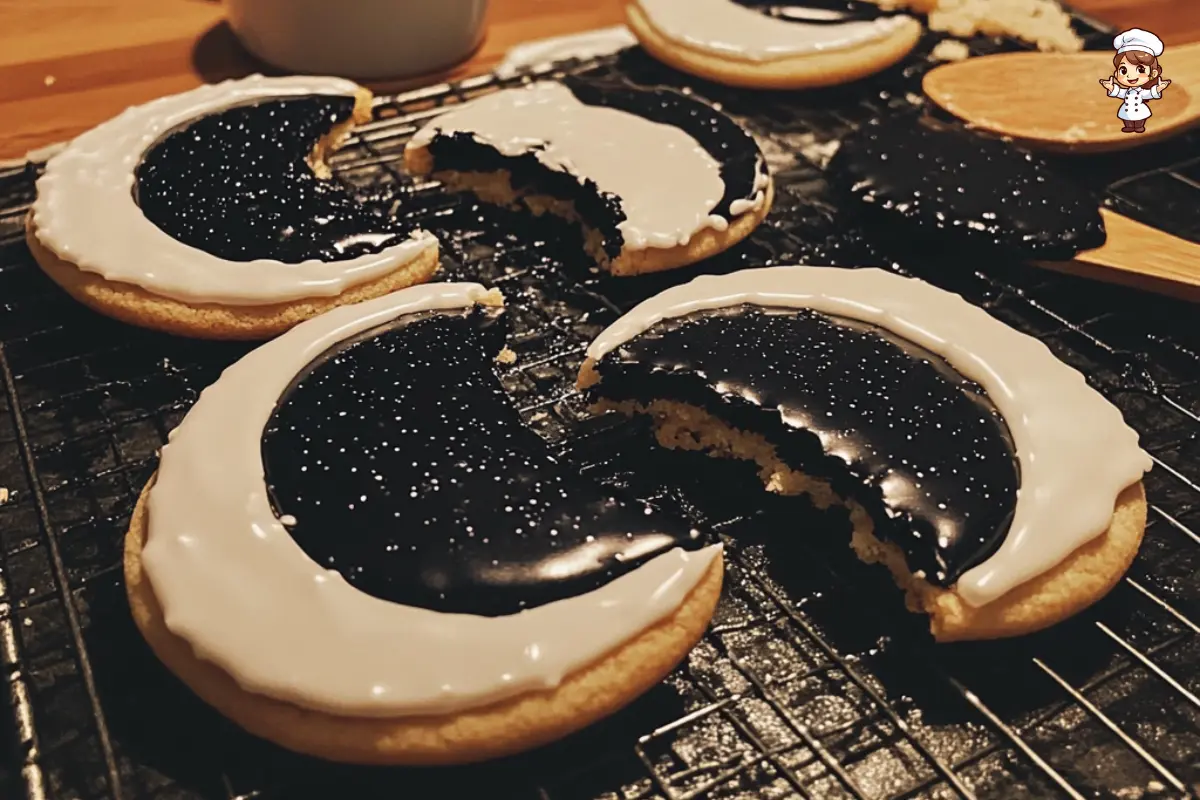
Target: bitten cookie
[(657, 179), (490, 600), (772, 46), (212, 213), (1003, 493)]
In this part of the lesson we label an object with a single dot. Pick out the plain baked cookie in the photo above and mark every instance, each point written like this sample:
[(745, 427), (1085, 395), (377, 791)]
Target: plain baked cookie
[(717, 42), (233, 229), (504, 728), (698, 185), (1003, 492)]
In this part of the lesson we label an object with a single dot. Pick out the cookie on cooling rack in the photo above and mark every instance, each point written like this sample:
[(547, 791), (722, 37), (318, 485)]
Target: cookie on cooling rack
[(212, 213), (490, 600), (1003, 493), (756, 44), (657, 179)]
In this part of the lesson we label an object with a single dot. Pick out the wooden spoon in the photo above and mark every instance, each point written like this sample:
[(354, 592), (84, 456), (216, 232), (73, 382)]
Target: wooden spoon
[(1055, 102), (1139, 256)]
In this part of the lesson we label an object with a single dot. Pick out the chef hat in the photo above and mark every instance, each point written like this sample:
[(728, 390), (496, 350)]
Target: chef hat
[(1138, 39)]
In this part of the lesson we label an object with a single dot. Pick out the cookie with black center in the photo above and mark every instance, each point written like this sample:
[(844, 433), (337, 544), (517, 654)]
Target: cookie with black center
[(354, 547), (769, 45), (213, 214), (1003, 493), (657, 179)]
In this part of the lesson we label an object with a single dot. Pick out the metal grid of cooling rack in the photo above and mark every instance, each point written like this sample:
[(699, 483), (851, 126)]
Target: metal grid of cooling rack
[(812, 681)]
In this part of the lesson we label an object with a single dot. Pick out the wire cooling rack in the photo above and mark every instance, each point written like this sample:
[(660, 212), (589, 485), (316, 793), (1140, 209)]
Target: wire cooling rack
[(812, 681)]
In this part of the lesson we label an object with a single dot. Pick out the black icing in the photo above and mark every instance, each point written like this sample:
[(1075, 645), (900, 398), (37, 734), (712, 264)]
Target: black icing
[(731, 146), (817, 12), (410, 472), (236, 184), (921, 448), (917, 178)]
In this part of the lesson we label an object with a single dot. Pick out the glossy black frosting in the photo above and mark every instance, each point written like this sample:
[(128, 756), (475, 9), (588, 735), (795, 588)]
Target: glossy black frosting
[(817, 12), (731, 146), (885, 421), (408, 470), (915, 178), (236, 184)]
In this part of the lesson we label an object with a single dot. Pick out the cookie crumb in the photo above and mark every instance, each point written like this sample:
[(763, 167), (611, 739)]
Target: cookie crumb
[(507, 356), (49, 80), (1040, 22), (950, 50)]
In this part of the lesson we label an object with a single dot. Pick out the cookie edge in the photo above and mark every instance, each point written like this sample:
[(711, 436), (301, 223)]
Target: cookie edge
[(505, 728), (806, 71)]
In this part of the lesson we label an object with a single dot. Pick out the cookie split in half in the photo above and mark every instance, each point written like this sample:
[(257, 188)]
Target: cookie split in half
[(657, 179), (1003, 493)]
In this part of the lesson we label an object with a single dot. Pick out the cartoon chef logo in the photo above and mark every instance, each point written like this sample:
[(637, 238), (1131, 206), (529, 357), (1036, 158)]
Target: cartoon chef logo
[(1137, 77)]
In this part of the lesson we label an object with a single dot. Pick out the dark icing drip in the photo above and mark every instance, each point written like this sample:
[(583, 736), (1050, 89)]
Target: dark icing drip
[(817, 12), (731, 146), (410, 472), (236, 184), (922, 179), (921, 448)]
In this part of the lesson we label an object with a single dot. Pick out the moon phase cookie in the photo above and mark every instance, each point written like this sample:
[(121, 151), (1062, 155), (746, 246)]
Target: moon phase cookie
[(757, 44), (489, 600), (657, 179), (1003, 493), (212, 213)]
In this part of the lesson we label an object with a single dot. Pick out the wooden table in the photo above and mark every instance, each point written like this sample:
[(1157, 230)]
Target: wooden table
[(66, 65)]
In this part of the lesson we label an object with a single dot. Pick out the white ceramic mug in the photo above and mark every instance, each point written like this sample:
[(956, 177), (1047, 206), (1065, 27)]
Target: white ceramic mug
[(359, 38)]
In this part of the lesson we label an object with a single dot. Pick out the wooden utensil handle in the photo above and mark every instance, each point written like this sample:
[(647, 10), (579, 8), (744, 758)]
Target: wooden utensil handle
[(1139, 256)]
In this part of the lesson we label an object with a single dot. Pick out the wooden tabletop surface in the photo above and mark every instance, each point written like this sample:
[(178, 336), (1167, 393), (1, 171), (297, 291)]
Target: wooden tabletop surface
[(66, 65)]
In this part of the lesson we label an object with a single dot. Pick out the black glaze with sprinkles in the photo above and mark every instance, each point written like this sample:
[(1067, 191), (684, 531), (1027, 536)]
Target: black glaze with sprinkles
[(731, 146), (236, 184), (917, 178), (408, 470), (809, 12), (885, 421)]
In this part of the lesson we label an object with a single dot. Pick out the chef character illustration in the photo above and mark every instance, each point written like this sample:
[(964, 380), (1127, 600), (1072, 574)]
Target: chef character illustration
[(1137, 77)]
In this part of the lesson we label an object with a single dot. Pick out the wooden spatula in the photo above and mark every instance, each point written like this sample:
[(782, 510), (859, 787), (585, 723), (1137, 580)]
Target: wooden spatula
[(1054, 102), (1139, 256)]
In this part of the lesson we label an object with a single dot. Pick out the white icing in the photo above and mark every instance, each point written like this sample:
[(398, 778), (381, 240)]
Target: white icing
[(85, 212), (235, 585), (585, 45), (667, 183), (728, 29), (1075, 451)]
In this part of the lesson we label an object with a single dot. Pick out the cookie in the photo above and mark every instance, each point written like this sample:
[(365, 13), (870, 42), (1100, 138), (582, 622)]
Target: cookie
[(798, 46), (1003, 493), (212, 213), (902, 176), (490, 601), (697, 185)]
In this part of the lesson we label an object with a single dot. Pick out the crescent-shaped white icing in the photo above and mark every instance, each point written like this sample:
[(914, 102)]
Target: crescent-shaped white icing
[(234, 584), (1075, 451), (726, 28), (667, 183), (85, 212)]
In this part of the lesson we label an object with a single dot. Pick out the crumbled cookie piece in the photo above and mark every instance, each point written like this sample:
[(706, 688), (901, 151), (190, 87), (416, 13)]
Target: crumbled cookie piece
[(1040, 22), (950, 50)]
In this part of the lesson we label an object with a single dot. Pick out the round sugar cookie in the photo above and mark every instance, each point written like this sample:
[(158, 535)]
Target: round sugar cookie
[(213, 214), (490, 601), (736, 45)]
